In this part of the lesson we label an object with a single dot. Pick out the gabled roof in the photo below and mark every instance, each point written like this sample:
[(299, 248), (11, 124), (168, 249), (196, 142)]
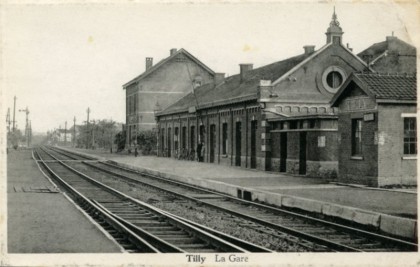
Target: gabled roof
[(301, 64), (383, 88), (378, 49), (163, 61), (232, 90)]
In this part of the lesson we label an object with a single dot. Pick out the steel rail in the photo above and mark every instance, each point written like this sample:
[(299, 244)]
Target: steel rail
[(195, 231), (342, 227), (288, 230), (140, 243), (352, 230), (285, 229)]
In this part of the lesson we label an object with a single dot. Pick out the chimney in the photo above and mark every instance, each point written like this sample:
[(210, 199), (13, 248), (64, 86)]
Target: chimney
[(309, 49), (173, 51), (349, 48), (219, 78), (244, 69), (149, 63), (392, 43), (391, 38)]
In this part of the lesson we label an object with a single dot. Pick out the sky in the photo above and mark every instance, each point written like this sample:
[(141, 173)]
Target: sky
[(59, 59)]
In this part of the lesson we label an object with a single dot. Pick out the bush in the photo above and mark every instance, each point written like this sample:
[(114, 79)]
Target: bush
[(147, 142)]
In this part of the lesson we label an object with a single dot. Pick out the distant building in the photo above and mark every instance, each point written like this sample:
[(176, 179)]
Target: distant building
[(391, 56), (161, 85), (377, 129)]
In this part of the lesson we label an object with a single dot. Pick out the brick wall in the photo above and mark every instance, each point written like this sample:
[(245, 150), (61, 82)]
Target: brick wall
[(394, 166), (166, 85), (322, 161), (363, 170), (244, 113)]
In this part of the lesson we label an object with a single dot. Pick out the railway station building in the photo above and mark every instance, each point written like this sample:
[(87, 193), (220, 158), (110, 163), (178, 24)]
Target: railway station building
[(276, 117), (159, 86), (377, 129)]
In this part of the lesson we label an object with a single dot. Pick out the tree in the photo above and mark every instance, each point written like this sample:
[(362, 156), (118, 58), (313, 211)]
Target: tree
[(16, 137), (120, 140), (99, 134)]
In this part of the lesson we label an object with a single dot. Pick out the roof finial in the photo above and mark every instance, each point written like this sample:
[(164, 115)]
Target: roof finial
[(334, 21)]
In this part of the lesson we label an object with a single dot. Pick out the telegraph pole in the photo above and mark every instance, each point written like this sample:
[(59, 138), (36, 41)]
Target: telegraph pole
[(65, 133), (87, 128), (74, 131), (30, 133), (14, 111), (93, 135), (8, 120), (26, 110)]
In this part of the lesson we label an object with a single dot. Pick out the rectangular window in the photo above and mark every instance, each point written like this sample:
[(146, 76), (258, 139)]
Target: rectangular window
[(410, 136), (135, 103), (176, 132), (312, 124), (301, 126), (225, 138), (293, 124), (127, 105), (184, 137), (356, 137)]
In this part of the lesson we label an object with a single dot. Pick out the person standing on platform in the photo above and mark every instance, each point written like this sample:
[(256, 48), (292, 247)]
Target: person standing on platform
[(136, 152), (199, 146)]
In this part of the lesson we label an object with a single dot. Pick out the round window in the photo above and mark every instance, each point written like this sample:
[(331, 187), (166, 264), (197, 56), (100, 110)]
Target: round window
[(332, 78)]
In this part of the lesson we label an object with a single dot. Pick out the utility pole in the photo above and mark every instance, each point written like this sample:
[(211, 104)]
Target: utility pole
[(87, 128), (65, 133), (30, 133), (14, 111), (26, 110), (74, 131), (93, 135), (8, 120)]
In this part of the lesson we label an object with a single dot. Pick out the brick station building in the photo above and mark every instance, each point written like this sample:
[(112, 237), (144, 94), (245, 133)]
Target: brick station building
[(276, 117), (377, 128), (159, 86)]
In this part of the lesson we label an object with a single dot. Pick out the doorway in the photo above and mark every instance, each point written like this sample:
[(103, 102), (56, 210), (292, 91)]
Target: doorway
[(302, 153), (283, 152), (162, 141), (253, 144), (212, 142), (169, 142), (238, 140)]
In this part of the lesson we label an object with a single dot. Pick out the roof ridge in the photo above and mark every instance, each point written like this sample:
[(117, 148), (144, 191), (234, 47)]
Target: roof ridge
[(384, 74), (163, 61)]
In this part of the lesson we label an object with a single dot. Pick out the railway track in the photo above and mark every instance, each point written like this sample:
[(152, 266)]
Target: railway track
[(332, 235), (137, 226)]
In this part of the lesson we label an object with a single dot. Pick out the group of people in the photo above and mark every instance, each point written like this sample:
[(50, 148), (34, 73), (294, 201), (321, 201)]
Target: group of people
[(201, 150)]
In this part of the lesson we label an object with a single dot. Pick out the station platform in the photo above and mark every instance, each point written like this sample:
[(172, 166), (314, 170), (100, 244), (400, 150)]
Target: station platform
[(392, 211), (41, 219)]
